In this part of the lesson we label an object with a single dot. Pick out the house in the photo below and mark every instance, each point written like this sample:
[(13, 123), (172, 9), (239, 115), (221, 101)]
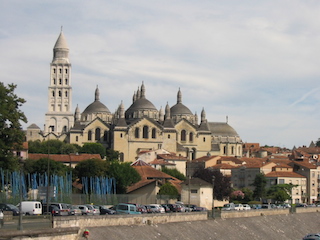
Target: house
[(146, 190)]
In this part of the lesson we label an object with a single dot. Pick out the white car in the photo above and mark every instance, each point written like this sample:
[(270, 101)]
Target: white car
[(246, 207), (157, 208), (238, 207)]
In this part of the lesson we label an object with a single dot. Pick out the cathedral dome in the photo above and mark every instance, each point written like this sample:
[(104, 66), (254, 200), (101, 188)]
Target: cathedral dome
[(222, 129), (96, 106), (180, 109), (141, 106)]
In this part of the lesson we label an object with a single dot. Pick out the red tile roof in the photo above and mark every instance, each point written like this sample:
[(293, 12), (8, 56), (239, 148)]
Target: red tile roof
[(161, 162), (284, 174)]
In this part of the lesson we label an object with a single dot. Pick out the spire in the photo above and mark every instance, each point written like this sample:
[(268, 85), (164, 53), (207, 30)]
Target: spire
[(227, 119), (196, 118), (138, 93), (97, 94), (203, 115), (61, 50), (77, 114), (121, 110), (179, 97), (134, 98), (143, 91), (167, 116), (161, 114)]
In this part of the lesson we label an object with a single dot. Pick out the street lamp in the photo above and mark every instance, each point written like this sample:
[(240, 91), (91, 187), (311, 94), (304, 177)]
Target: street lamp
[(213, 178), (20, 193)]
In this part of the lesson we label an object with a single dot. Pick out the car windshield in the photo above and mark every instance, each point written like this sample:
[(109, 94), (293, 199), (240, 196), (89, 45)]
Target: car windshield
[(12, 206)]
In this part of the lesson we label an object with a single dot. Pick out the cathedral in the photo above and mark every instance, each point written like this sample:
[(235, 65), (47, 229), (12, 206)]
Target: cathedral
[(140, 128)]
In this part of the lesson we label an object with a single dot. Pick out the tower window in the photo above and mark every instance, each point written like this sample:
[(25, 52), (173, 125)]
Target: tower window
[(89, 135), (59, 93), (153, 133), (136, 133), (60, 70), (54, 70), (183, 135), (66, 81), (169, 136), (54, 81), (204, 139), (145, 132), (60, 81), (66, 93), (66, 70), (97, 133), (52, 93), (191, 137), (77, 138)]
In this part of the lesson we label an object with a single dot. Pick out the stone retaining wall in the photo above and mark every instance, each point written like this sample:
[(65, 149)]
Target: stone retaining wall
[(118, 220)]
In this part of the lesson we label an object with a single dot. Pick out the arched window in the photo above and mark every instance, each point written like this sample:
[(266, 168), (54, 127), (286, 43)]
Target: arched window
[(89, 135), (59, 93), (54, 70), (60, 70), (136, 133), (153, 133), (105, 136), (77, 138), (232, 150), (64, 129), (97, 133), (169, 136), (224, 150), (60, 81), (66, 81), (66, 70), (145, 132), (121, 156), (191, 137), (53, 94), (204, 139), (54, 81), (66, 93), (183, 135)]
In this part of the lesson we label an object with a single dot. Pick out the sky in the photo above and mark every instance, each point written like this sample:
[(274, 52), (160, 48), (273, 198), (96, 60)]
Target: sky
[(252, 63)]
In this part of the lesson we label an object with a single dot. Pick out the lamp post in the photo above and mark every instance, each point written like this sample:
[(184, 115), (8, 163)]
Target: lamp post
[(213, 178), (20, 193)]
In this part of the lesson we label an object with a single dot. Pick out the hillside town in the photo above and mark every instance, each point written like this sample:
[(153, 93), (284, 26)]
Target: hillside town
[(173, 137)]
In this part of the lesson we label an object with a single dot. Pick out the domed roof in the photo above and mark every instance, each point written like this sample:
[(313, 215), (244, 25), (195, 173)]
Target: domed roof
[(96, 106), (179, 108), (222, 129), (140, 104)]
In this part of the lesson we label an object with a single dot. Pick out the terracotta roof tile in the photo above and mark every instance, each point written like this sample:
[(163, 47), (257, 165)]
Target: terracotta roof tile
[(284, 174)]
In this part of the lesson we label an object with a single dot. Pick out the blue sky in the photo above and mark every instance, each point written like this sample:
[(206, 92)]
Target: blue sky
[(256, 62)]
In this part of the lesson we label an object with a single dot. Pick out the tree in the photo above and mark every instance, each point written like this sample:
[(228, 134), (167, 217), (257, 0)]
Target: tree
[(112, 155), (41, 166), (11, 134), (94, 148), (52, 147), (174, 173), (248, 194), (91, 168), (259, 183), (222, 184), (169, 190), (124, 174), (280, 192)]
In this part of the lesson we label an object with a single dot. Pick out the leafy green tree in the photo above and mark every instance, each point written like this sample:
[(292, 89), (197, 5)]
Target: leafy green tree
[(11, 134), (259, 183), (112, 155), (41, 166), (280, 192), (248, 195), (169, 190), (124, 174), (91, 168), (174, 173), (51, 146), (222, 184), (94, 148)]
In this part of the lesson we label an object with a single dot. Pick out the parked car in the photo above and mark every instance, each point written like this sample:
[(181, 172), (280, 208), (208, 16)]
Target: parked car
[(63, 208), (148, 209), (105, 210), (166, 208), (195, 208), (125, 208), (228, 207), (85, 210), (301, 205), (140, 208), (173, 207), (31, 207), (75, 210), (10, 207), (246, 207), (238, 207), (156, 208), (95, 209)]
